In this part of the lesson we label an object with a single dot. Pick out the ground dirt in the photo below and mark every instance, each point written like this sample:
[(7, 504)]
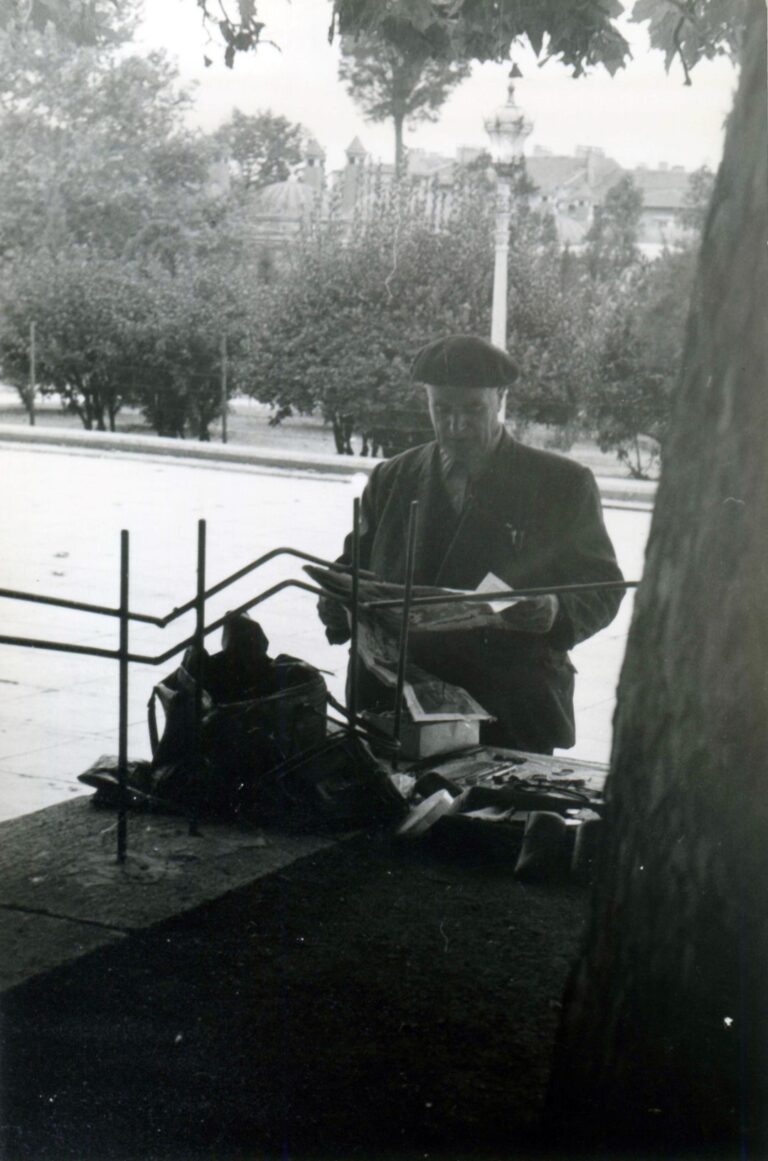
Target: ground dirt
[(375, 1001)]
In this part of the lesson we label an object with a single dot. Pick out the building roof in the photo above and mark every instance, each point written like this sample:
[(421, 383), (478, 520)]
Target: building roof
[(662, 188), (356, 148), (586, 176), (283, 199), (314, 149)]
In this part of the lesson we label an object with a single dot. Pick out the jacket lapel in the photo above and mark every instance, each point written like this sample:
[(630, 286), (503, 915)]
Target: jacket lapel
[(494, 529)]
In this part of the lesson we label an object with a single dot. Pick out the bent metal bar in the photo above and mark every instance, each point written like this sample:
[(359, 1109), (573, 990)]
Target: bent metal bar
[(123, 655)]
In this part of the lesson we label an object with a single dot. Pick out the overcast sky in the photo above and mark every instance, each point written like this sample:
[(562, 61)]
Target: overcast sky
[(641, 116)]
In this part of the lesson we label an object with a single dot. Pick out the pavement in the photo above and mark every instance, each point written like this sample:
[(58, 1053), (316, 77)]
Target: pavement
[(614, 489)]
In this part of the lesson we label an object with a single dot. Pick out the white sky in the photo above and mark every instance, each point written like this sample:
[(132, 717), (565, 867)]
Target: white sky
[(641, 116)]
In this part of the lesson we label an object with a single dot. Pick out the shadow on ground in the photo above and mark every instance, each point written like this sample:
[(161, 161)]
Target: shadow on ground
[(371, 1001)]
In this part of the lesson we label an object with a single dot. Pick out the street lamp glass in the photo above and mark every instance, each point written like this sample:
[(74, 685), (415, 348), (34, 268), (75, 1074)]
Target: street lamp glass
[(507, 129)]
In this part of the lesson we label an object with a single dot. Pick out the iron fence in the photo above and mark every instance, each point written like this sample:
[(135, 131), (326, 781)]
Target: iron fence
[(126, 615)]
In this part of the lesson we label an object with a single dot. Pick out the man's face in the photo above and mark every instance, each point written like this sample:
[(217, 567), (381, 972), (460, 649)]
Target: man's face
[(466, 421)]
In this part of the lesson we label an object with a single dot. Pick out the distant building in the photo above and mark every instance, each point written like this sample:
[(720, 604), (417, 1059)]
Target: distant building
[(571, 188)]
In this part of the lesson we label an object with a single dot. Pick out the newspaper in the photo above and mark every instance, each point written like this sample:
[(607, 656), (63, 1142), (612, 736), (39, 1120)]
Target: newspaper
[(455, 614), (427, 698)]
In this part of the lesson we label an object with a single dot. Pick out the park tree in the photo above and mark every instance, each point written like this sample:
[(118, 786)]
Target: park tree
[(549, 327), (627, 394), (611, 241), (698, 196), (85, 22), (401, 83), (93, 146), (663, 1040), (262, 147), (105, 208), (418, 266), (189, 315), (88, 310)]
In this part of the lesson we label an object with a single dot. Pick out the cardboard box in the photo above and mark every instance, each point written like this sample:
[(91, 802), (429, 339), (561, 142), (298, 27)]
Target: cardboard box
[(424, 739)]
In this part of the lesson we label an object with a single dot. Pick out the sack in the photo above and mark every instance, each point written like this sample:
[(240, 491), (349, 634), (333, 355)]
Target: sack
[(256, 714), (338, 784)]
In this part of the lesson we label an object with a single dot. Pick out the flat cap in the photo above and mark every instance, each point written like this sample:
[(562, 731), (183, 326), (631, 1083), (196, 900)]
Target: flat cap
[(463, 361)]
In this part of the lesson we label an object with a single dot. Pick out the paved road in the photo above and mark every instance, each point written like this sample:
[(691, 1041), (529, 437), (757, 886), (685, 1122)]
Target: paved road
[(60, 536)]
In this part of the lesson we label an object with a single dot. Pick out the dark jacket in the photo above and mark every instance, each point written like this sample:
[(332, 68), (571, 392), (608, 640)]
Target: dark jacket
[(534, 519)]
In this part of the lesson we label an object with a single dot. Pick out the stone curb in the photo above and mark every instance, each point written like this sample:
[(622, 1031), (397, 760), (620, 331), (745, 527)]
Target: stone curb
[(614, 490)]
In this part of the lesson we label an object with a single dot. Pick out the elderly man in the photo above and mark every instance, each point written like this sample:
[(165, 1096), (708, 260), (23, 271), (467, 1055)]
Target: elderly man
[(488, 504)]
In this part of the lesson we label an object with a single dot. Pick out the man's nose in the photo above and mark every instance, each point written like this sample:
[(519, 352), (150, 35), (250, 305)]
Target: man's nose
[(457, 423)]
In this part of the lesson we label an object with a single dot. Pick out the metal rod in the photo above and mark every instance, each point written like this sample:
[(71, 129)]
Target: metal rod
[(505, 594), (224, 392), (162, 622), (355, 611), (80, 606), (197, 789), (122, 751), (161, 658), (32, 373), (410, 565), (61, 647)]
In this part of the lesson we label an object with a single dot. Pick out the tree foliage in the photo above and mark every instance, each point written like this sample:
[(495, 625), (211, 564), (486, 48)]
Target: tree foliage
[(400, 263), (93, 147), (86, 22), (262, 147), (581, 34), (401, 83), (112, 240), (611, 242)]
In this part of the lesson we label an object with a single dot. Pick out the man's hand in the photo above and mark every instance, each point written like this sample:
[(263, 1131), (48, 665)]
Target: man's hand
[(532, 615)]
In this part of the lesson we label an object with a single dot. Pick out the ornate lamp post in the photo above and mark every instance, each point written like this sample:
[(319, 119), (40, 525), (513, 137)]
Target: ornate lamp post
[(507, 129)]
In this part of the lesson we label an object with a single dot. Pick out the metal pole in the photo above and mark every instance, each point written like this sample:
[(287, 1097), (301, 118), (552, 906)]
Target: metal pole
[(500, 269), (32, 373), (410, 564), (199, 675), (122, 759), (355, 626), (223, 388), (500, 266)]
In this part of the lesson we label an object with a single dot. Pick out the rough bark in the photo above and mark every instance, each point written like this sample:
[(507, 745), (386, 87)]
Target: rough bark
[(664, 1037)]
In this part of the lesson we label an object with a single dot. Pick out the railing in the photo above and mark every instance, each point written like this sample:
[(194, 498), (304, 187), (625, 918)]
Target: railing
[(125, 657)]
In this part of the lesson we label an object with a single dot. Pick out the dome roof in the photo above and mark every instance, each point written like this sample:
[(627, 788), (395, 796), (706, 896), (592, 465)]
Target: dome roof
[(284, 199)]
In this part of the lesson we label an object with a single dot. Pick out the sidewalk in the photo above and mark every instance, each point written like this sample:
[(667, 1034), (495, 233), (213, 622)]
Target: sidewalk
[(616, 489), (366, 1001)]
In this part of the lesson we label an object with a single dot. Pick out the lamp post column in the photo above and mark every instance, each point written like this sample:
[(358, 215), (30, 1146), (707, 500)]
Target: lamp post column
[(501, 263)]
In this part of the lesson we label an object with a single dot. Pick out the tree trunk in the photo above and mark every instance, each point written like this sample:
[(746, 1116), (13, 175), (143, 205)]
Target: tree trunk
[(664, 1038), (399, 120)]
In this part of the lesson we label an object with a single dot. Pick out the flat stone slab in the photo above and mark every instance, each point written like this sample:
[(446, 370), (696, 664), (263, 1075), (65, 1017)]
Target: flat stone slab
[(63, 893), (34, 944)]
